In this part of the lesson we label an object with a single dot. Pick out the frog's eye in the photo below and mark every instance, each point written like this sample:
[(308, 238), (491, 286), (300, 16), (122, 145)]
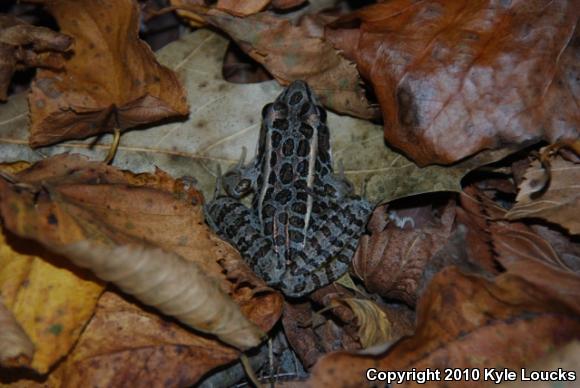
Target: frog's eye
[(321, 113), (266, 109), (243, 186)]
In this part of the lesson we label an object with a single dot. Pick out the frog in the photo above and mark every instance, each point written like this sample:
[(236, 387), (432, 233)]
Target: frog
[(302, 227)]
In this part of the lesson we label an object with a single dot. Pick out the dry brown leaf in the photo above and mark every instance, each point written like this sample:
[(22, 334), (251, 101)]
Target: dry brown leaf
[(373, 325), (456, 77), (28, 46), (112, 81), (291, 53), (287, 4), (67, 198), (559, 203), (459, 313), (16, 349), (492, 238), (242, 8), (391, 260), (169, 283), (313, 331)]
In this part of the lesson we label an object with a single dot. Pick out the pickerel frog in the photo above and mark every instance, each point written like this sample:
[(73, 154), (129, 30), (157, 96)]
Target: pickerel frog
[(303, 226)]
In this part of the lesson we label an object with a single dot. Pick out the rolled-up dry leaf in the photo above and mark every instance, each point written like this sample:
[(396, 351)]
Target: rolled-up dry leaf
[(171, 284), (16, 349)]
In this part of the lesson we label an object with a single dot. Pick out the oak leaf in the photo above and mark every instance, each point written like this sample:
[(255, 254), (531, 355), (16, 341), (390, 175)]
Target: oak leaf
[(111, 81), (457, 77)]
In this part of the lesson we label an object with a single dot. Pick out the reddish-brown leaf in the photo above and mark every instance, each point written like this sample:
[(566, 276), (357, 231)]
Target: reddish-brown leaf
[(291, 52), (456, 77), (111, 81), (392, 259), (467, 321)]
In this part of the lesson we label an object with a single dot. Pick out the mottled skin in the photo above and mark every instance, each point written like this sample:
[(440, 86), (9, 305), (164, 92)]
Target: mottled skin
[(302, 228)]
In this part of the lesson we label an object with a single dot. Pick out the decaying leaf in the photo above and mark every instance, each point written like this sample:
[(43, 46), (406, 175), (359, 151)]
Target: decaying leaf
[(391, 260), (111, 81), (51, 299), (291, 52), (16, 349), (460, 313), (558, 203), (456, 77), (174, 286), (67, 198), (490, 237), (28, 46), (314, 331), (373, 326), (226, 117)]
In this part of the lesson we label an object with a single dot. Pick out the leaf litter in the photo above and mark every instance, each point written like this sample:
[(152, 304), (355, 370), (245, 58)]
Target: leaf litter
[(439, 281)]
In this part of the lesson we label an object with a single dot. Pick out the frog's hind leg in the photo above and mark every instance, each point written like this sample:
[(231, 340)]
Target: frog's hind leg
[(237, 224), (327, 253)]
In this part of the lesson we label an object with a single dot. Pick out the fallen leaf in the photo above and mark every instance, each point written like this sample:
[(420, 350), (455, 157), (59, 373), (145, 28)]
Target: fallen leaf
[(449, 88), (111, 81), (67, 198), (459, 313), (373, 326), (242, 8), (391, 260), (566, 358), (226, 117), (559, 203), (325, 324), (492, 238), (50, 298), (16, 349), (23, 45), (171, 284), (292, 53)]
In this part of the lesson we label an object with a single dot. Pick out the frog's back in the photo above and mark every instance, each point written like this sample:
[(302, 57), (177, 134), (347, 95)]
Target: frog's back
[(294, 158)]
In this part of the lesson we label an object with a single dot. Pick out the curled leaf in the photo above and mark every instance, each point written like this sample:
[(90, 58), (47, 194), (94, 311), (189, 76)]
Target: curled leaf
[(373, 325), (176, 287), (559, 202), (16, 349)]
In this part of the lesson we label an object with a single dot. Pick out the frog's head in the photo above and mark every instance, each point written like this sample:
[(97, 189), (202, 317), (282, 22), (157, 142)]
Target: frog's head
[(297, 103)]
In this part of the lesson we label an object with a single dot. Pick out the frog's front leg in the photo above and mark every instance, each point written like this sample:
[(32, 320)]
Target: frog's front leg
[(237, 224), (328, 251)]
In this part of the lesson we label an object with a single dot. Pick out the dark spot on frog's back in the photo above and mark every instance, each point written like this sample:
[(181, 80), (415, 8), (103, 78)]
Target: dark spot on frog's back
[(281, 109), (303, 148), (281, 124), (276, 139), (202, 84), (306, 130), (288, 147), (283, 196), (304, 108), (286, 173), (295, 98), (52, 220)]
